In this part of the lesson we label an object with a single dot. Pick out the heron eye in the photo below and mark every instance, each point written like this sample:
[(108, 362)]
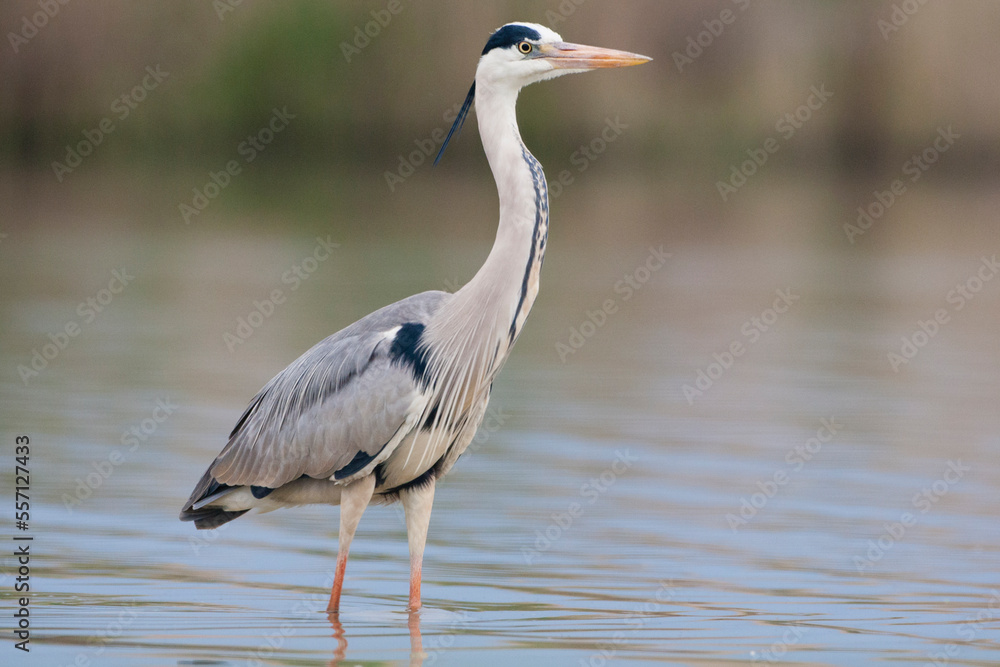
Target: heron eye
[(524, 47)]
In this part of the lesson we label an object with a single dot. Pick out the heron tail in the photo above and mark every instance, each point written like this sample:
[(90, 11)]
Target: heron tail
[(198, 509)]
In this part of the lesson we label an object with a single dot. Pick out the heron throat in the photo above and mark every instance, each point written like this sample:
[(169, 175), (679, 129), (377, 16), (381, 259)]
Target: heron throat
[(477, 326)]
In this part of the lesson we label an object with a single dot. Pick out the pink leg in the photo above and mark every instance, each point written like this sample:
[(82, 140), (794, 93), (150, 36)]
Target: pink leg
[(415, 585), (417, 504), (353, 501), (338, 582)]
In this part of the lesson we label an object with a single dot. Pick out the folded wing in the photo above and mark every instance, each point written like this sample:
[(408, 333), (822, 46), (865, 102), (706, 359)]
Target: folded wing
[(334, 412)]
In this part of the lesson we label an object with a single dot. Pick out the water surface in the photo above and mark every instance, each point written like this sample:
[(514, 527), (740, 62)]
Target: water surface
[(808, 504)]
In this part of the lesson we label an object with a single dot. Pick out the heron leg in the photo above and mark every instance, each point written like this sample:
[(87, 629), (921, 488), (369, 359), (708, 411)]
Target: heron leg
[(417, 502), (353, 500)]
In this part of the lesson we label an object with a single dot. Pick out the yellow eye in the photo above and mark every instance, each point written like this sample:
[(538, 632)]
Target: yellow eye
[(524, 47)]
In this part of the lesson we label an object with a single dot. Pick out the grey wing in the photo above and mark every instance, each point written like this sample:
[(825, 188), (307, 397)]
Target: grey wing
[(335, 409)]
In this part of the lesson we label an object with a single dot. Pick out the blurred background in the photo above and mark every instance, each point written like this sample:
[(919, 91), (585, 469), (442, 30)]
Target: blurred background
[(361, 100), (194, 193)]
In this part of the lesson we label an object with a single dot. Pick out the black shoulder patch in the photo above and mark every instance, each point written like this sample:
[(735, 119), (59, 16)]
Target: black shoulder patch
[(407, 348), (510, 35)]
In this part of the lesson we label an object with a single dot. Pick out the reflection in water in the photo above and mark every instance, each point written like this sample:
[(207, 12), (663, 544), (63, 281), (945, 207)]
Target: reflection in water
[(417, 655), (338, 633)]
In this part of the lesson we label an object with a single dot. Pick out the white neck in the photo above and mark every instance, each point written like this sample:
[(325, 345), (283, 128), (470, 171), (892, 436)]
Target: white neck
[(481, 321)]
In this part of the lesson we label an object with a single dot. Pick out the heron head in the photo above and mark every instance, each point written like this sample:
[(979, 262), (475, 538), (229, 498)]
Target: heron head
[(519, 54)]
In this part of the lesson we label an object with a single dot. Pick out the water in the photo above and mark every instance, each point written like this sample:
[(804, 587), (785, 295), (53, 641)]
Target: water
[(811, 506)]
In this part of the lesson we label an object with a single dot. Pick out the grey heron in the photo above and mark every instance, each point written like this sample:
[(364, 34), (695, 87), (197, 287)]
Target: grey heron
[(382, 409)]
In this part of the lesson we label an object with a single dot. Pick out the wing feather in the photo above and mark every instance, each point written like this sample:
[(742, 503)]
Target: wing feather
[(338, 404)]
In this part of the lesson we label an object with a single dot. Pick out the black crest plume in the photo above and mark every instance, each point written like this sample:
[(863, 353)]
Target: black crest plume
[(510, 34), (459, 121)]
